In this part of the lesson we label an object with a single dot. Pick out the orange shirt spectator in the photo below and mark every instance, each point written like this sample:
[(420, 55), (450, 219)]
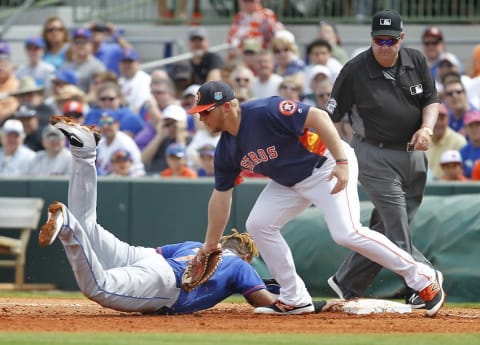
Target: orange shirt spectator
[(253, 21)]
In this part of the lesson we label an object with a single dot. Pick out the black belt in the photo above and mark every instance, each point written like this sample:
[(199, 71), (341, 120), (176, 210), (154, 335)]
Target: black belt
[(407, 147)]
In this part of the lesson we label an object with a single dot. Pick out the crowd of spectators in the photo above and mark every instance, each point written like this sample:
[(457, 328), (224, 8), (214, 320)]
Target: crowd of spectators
[(93, 75)]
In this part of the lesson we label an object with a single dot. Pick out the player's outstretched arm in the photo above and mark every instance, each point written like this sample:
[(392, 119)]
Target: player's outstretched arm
[(261, 298), (218, 214)]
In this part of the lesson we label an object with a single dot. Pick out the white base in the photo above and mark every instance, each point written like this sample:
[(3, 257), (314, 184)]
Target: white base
[(363, 306)]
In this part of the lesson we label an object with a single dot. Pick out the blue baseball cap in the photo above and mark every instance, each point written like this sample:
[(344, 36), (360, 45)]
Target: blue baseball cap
[(82, 33), (129, 54), (35, 41), (121, 155), (211, 94), (67, 76), (4, 48), (176, 149)]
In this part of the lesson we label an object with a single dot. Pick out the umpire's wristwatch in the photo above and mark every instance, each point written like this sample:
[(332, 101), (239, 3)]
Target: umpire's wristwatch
[(428, 130)]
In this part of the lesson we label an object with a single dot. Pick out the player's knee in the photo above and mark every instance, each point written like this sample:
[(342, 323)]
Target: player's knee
[(343, 238)]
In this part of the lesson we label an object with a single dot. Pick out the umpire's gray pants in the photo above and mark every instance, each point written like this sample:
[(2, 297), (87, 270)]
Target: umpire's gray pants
[(395, 182)]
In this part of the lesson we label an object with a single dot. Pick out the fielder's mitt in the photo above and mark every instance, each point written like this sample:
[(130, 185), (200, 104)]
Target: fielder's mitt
[(200, 269)]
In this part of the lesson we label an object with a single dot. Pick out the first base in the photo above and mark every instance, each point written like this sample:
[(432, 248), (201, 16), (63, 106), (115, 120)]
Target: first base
[(363, 306)]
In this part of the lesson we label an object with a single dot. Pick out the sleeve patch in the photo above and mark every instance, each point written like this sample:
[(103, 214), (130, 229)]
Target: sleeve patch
[(287, 107)]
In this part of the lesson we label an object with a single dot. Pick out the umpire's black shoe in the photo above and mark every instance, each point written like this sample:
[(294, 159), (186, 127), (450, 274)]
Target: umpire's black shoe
[(434, 296)]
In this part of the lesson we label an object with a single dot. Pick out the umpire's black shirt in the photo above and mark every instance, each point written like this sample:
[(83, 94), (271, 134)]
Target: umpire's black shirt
[(382, 107)]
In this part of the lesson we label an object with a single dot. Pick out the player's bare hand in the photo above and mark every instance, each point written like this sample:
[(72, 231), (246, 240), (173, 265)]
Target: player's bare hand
[(340, 171)]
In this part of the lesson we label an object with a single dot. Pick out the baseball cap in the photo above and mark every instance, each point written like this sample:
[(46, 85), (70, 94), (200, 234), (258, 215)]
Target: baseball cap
[(175, 112), (176, 149), (433, 31), (210, 94), (121, 155), (182, 70), (452, 59), (73, 108), (253, 45), (50, 132), (471, 116), (25, 111), (191, 90), (451, 156), (207, 149), (35, 41), (129, 54), (13, 126), (109, 116), (197, 32), (68, 76), (81, 32), (4, 48), (320, 69), (387, 23)]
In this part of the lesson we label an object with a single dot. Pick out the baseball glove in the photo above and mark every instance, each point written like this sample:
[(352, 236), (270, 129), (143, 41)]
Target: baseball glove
[(200, 269)]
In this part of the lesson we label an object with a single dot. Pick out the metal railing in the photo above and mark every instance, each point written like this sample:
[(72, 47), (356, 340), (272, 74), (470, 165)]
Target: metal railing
[(288, 11)]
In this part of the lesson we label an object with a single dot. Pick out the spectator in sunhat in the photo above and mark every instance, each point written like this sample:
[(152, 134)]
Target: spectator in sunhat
[(42, 72)]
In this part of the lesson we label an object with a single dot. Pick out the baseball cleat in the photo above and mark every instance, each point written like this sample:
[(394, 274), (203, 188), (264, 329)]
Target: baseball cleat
[(415, 301), (434, 296), (78, 135), (49, 231), (279, 308)]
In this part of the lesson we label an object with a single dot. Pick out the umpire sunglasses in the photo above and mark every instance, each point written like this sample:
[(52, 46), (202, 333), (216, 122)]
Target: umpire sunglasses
[(386, 42)]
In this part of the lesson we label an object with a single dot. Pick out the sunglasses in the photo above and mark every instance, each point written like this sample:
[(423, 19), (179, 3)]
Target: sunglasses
[(288, 88), (278, 51), (110, 99), (80, 42), (209, 110), (106, 122), (54, 29), (431, 43), (454, 92), (158, 92), (239, 80), (388, 42)]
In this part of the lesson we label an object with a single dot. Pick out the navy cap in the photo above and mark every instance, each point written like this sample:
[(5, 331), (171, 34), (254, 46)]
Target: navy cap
[(387, 23), (82, 33), (211, 94), (129, 54)]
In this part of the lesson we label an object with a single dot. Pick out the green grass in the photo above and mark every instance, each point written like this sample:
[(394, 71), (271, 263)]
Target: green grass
[(236, 339)]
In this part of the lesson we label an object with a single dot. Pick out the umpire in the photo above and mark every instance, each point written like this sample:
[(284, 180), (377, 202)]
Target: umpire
[(390, 97)]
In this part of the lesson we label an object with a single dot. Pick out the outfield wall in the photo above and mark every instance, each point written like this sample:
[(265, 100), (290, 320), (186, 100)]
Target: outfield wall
[(152, 212)]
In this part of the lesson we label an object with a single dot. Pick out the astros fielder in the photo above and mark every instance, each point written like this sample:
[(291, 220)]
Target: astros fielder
[(271, 136)]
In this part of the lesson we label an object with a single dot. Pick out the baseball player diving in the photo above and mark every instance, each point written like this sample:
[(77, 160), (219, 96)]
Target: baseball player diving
[(136, 279), (272, 136)]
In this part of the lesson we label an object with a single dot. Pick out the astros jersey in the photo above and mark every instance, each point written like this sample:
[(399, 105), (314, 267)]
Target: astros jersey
[(233, 275), (271, 141)]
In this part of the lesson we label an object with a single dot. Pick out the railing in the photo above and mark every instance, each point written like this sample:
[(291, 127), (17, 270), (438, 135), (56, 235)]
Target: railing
[(288, 11)]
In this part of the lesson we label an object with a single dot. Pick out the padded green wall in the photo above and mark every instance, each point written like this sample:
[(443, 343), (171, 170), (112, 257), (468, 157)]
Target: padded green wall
[(152, 212)]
